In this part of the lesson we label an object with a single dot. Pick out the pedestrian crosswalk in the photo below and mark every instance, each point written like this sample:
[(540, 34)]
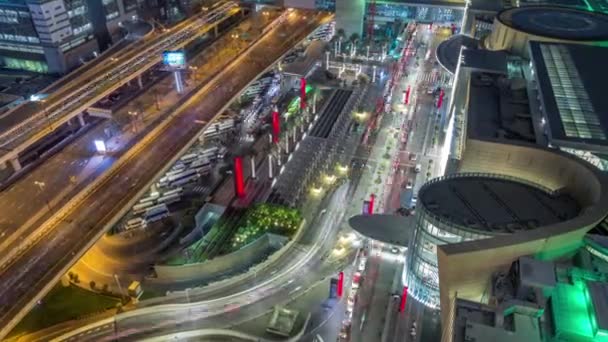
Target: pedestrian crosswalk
[(435, 78), (199, 189)]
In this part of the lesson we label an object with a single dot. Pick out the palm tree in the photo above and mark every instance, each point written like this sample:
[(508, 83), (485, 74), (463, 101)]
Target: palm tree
[(341, 36), (354, 39)]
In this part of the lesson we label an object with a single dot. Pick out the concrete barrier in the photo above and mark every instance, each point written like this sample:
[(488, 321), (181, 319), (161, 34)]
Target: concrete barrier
[(222, 265), (229, 281)]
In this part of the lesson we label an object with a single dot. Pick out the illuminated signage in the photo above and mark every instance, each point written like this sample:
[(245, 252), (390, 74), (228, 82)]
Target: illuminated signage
[(174, 59)]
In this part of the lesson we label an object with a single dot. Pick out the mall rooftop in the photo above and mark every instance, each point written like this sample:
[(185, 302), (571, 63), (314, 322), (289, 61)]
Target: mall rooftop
[(536, 300), (571, 83), (495, 205)]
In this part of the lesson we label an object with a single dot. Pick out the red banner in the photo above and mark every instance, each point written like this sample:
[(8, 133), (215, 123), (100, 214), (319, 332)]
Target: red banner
[(239, 182), (276, 126), (302, 92)]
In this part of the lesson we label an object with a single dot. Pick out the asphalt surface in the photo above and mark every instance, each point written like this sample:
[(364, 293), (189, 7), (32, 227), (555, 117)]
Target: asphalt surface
[(24, 280), (376, 316)]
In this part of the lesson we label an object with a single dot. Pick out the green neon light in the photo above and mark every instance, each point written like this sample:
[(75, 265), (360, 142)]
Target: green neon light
[(294, 105), (589, 7), (571, 313)]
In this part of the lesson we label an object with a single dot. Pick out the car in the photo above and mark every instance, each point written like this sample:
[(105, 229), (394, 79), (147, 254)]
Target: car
[(356, 280), (413, 157), (362, 262), (418, 168), (408, 185), (395, 250)]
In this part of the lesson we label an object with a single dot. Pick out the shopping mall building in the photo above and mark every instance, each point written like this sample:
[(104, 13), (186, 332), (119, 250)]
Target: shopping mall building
[(510, 243)]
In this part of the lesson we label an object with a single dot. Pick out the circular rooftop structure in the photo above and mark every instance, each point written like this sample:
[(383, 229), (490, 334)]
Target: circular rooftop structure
[(476, 206), (448, 51), (557, 22), (391, 229), (491, 204)]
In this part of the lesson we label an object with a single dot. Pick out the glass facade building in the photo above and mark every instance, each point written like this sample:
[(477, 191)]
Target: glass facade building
[(53, 35), (18, 37), (473, 206), (431, 231)]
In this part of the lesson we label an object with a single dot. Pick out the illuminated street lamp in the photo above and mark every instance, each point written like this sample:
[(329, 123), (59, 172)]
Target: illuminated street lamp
[(193, 71), (316, 191), (329, 179), (134, 115), (41, 186), (342, 170), (235, 37), (361, 116)]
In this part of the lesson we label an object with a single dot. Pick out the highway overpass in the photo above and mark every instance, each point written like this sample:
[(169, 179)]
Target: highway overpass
[(28, 124), (43, 258)]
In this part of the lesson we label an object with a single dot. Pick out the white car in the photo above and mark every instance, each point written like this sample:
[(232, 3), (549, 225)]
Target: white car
[(418, 168), (362, 262)]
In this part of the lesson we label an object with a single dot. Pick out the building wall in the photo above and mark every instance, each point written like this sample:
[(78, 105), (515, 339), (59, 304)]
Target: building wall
[(349, 16), (504, 37), (51, 21), (465, 269), (19, 43), (306, 4), (52, 36)]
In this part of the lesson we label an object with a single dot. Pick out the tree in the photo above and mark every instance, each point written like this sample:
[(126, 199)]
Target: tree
[(354, 39)]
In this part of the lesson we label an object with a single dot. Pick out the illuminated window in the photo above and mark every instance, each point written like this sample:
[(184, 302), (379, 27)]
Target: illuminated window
[(578, 117)]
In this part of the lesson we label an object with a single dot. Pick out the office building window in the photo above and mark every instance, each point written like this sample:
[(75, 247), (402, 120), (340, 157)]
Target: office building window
[(576, 111)]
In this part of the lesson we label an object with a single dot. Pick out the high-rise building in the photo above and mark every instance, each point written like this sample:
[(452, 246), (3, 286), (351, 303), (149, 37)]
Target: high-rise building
[(53, 36)]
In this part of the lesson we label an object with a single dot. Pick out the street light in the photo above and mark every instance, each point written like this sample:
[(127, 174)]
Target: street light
[(41, 186), (193, 71), (329, 179), (40, 100), (133, 114)]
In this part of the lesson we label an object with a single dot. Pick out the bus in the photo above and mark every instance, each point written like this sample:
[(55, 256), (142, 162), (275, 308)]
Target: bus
[(203, 169), (200, 162), (156, 213), (135, 223), (142, 207), (209, 153), (153, 195), (168, 199), (177, 191), (188, 158), (185, 180), (181, 175)]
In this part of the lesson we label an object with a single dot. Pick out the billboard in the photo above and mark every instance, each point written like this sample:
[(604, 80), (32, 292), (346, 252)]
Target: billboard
[(174, 59)]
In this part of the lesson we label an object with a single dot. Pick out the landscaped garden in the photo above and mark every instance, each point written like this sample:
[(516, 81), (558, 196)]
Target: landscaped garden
[(266, 218)]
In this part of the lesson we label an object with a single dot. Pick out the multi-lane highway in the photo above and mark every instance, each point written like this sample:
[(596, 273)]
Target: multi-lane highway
[(28, 124), (67, 235)]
